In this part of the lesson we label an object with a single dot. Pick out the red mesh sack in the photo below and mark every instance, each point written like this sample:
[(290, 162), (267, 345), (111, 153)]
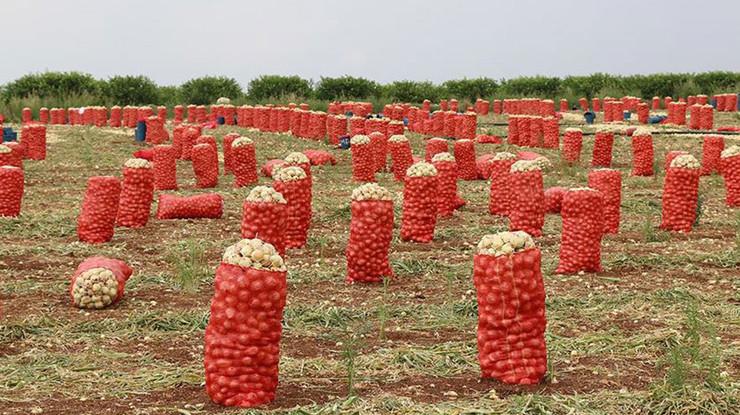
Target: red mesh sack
[(583, 226), (269, 166), (447, 198), (513, 130), (228, 140), (609, 183), (11, 156), (550, 132), (602, 153), (165, 168), (379, 148), (706, 117), (33, 137), (419, 203), (465, 159), (454, 105), (395, 128), (655, 103), (189, 136), (672, 155), (26, 115), (583, 102), (435, 146), (730, 169), (401, 156), (205, 166), (202, 206), (695, 117), (243, 162), (643, 113), (137, 192), (98, 282), (526, 198), (642, 153), (155, 132), (363, 162), (179, 114), (524, 128), (680, 194), (264, 215), (115, 116), (370, 234), (177, 139), (554, 199), (356, 126), (11, 190), (450, 125), (468, 126), (564, 107), (320, 157), (97, 219), (572, 144), (208, 139), (511, 308), (711, 152), (242, 339), (144, 153), (295, 187), (499, 170)]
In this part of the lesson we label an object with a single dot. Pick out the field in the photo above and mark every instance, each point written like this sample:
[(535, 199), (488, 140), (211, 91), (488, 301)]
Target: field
[(657, 332)]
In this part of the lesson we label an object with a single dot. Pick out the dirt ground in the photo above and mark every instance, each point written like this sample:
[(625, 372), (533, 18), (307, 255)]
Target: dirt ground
[(658, 328)]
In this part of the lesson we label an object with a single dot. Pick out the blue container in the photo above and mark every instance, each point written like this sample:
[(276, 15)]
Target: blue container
[(9, 134), (220, 120), (344, 142), (627, 115), (738, 102), (405, 121), (140, 131), (348, 114), (713, 101), (589, 116), (656, 119)]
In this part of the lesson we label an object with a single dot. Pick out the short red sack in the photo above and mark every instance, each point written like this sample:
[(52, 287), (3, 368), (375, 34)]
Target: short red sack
[(419, 203), (98, 282), (97, 219), (264, 216), (202, 206)]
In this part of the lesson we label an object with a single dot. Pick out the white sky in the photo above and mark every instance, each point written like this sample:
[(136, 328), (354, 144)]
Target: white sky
[(384, 40)]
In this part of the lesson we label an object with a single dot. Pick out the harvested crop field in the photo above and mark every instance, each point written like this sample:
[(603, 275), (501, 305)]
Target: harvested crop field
[(657, 331)]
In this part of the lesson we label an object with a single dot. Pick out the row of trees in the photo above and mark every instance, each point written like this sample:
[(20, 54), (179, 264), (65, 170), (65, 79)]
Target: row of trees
[(138, 90)]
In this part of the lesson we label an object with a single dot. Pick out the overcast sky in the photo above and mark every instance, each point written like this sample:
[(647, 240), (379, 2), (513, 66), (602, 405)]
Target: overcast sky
[(384, 40)]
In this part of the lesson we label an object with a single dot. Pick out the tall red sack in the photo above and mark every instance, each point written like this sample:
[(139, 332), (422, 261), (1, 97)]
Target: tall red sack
[(179, 114), (379, 148), (264, 216), (33, 137), (435, 146), (208, 139), (155, 132), (680, 194), (447, 198), (363, 161), (711, 152), (551, 132), (177, 139), (513, 130), (205, 166), (115, 116), (554, 199), (401, 156), (419, 203), (602, 153), (228, 140), (202, 206), (137, 192), (11, 190), (189, 136), (643, 113), (525, 130), (10, 156), (295, 187), (242, 339), (243, 161), (695, 117), (97, 219), (572, 144), (499, 171), (706, 117), (730, 169), (609, 183), (564, 107), (464, 150), (80, 286), (356, 126), (450, 125), (26, 115), (370, 234), (583, 227), (526, 198), (642, 153), (511, 314), (165, 168), (468, 126)]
